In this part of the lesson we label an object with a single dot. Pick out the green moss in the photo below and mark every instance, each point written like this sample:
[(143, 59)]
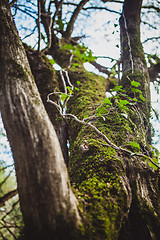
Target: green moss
[(16, 70), (137, 49), (97, 173), (46, 80)]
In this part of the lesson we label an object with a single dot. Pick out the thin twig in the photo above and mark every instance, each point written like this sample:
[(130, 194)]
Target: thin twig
[(12, 3), (39, 25)]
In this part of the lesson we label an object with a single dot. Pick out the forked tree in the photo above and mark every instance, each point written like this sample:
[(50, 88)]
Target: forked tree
[(111, 166)]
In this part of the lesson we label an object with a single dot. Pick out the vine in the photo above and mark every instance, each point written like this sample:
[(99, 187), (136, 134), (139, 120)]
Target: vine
[(119, 100)]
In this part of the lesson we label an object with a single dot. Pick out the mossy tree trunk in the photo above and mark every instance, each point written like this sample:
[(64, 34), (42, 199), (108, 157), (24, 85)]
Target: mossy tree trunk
[(118, 192), (133, 60)]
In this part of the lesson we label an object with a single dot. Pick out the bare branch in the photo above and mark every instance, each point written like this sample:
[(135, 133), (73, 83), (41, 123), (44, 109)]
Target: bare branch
[(12, 3), (7, 196), (57, 11), (150, 25), (5, 179), (26, 12), (100, 67), (39, 25), (115, 1), (152, 7), (102, 8), (70, 26), (151, 39)]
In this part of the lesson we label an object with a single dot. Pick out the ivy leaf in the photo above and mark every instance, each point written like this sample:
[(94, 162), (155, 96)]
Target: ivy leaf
[(155, 160), (69, 89), (142, 98), (52, 61), (63, 97), (136, 90), (135, 84), (123, 102), (117, 88), (107, 101), (77, 89), (134, 144), (68, 47)]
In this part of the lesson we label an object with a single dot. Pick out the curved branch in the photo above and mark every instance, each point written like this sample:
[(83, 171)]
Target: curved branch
[(12, 3), (151, 39)]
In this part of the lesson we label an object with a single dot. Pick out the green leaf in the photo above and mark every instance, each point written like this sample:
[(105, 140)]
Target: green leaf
[(142, 98), (68, 46), (135, 84), (117, 88), (63, 97), (136, 90), (75, 65), (52, 61), (69, 89), (123, 102), (77, 89), (107, 101), (78, 82), (134, 144)]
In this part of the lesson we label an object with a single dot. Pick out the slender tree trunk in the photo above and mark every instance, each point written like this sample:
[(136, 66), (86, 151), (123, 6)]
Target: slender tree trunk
[(48, 205), (133, 60)]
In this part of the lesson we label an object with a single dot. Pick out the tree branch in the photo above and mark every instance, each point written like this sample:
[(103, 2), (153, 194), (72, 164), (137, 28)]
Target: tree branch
[(39, 25), (151, 39), (100, 67), (154, 70), (7, 196), (152, 7), (12, 3), (70, 26), (57, 11)]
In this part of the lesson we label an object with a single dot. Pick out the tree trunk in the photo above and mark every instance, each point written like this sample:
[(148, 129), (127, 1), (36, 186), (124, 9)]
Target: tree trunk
[(47, 82), (48, 205), (118, 192), (133, 60)]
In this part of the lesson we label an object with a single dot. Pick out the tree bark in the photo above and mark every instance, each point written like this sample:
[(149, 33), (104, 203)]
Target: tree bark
[(133, 60), (48, 205), (118, 191), (47, 82)]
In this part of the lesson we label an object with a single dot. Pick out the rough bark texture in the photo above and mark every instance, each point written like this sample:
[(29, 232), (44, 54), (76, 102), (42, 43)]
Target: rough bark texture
[(118, 193), (47, 82), (48, 205), (133, 59)]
